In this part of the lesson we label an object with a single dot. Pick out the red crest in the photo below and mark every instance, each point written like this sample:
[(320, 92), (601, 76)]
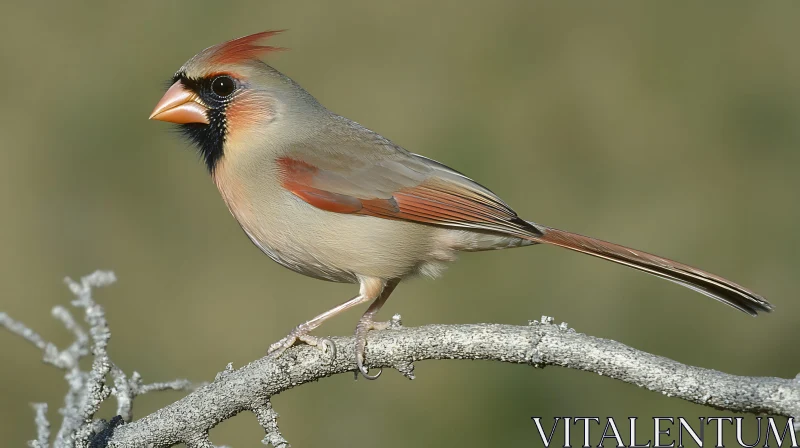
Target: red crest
[(243, 48)]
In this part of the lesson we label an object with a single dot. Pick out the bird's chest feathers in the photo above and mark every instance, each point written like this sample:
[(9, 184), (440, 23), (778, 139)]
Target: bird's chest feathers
[(268, 215), (254, 197)]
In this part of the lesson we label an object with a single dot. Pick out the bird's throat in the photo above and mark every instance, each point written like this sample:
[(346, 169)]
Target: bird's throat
[(208, 138)]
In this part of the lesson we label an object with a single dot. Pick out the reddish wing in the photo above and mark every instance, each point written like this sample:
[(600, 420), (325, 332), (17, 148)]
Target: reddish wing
[(298, 178), (411, 188)]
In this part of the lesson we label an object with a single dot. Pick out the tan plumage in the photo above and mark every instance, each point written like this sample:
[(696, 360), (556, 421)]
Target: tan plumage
[(328, 198)]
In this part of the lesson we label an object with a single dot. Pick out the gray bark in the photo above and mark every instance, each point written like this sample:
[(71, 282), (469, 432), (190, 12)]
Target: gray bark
[(538, 344), (250, 388)]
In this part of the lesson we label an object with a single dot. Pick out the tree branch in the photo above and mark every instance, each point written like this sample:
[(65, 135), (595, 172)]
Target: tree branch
[(250, 388), (538, 344), (87, 389)]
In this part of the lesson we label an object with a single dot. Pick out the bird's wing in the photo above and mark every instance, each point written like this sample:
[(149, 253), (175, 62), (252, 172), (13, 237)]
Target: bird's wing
[(388, 182)]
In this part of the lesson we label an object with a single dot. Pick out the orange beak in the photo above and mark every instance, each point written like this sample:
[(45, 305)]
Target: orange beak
[(180, 106)]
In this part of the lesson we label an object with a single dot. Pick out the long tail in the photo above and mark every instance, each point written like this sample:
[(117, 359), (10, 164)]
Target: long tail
[(711, 285)]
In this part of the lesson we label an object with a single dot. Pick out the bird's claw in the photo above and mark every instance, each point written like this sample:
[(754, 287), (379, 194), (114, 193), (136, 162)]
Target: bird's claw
[(363, 327), (327, 346), (364, 370), (324, 344)]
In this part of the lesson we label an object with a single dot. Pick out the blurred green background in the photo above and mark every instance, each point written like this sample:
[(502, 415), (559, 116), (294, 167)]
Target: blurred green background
[(670, 127)]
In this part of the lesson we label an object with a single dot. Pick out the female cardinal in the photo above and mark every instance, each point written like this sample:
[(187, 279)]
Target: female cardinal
[(328, 198)]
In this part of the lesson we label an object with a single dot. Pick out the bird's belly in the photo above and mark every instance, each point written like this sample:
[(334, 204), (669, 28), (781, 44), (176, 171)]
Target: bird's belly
[(296, 261), (340, 247)]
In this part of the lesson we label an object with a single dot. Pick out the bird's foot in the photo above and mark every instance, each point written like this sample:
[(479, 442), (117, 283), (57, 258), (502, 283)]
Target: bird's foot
[(301, 333), (364, 326)]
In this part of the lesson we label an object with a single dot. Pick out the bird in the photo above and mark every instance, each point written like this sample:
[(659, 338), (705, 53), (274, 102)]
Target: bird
[(328, 198)]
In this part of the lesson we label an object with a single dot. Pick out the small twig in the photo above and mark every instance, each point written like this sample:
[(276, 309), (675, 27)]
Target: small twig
[(126, 389), (171, 385), (87, 390), (268, 419), (21, 329), (42, 427)]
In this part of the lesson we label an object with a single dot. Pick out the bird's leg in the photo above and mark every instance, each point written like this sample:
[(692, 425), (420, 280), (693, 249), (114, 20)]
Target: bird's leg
[(370, 289), (301, 331), (367, 323)]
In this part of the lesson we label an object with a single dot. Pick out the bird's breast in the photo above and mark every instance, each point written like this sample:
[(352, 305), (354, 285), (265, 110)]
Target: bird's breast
[(271, 219), (322, 244)]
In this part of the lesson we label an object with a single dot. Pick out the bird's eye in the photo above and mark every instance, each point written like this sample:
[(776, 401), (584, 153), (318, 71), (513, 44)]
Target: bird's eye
[(223, 86)]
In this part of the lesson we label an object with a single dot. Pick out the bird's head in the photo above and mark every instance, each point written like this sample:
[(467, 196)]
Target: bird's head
[(225, 97)]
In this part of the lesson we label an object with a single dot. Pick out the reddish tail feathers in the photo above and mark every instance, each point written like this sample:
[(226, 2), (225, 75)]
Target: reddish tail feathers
[(703, 282)]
